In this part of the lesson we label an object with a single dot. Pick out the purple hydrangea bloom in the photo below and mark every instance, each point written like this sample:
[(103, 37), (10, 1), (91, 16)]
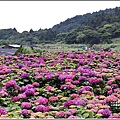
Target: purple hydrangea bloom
[(91, 74), (114, 85), (2, 111), (81, 102), (105, 112), (24, 75), (86, 88), (82, 78), (39, 108), (25, 112), (49, 76), (62, 77), (69, 103), (118, 67), (30, 92), (29, 86), (23, 88), (7, 71), (20, 65)]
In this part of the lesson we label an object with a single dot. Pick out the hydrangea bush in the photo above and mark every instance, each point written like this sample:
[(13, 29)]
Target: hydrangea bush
[(60, 85)]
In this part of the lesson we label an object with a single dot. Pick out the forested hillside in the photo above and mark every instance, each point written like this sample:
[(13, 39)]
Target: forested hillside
[(95, 28), (100, 29), (78, 20)]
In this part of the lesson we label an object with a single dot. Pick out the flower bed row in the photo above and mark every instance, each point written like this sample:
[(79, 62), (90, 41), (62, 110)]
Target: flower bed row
[(60, 85)]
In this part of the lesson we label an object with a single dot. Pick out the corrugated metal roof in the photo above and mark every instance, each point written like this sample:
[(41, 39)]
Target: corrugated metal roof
[(8, 51), (14, 45)]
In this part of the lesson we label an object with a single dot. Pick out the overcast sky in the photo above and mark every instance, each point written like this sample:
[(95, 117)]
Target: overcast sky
[(24, 15)]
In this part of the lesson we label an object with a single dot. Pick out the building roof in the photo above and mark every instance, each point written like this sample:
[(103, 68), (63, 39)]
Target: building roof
[(8, 51), (14, 45)]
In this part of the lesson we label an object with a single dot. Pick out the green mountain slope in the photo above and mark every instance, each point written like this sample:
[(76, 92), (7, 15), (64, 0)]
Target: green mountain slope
[(95, 28), (78, 20)]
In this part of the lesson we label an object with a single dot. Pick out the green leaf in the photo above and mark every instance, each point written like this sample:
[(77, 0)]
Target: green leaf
[(9, 109), (83, 111), (21, 82), (68, 91), (80, 108), (26, 80), (85, 115), (80, 116), (91, 114)]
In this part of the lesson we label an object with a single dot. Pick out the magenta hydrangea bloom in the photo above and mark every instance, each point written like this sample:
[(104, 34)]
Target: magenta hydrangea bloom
[(2, 111), (85, 88), (72, 111), (15, 98), (41, 101), (93, 80), (25, 112), (70, 76), (117, 77), (72, 117), (109, 92), (53, 99), (60, 114), (26, 105), (36, 84), (114, 116), (46, 109), (111, 98), (74, 95), (3, 93), (11, 83), (76, 82), (105, 112), (67, 113), (48, 88), (68, 80), (22, 96)]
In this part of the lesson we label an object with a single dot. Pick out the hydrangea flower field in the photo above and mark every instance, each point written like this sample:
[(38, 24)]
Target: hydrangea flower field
[(60, 85)]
